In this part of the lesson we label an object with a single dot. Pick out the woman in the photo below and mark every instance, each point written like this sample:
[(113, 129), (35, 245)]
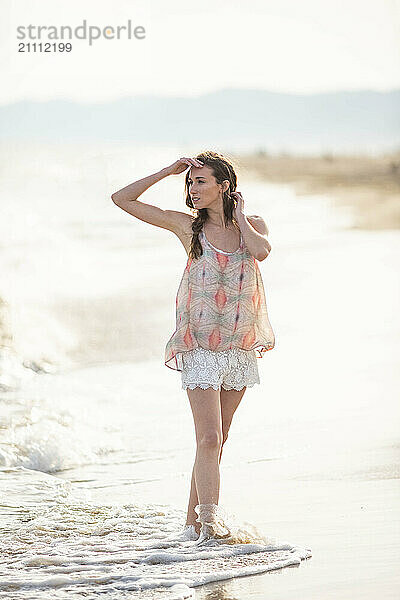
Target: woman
[(221, 313)]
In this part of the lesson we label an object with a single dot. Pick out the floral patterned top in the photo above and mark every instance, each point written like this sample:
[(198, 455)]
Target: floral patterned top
[(220, 304)]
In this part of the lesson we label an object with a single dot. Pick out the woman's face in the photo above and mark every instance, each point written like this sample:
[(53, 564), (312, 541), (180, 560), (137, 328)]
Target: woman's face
[(203, 187)]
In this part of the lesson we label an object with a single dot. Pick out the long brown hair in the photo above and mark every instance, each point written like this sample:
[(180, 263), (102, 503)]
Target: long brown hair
[(222, 169)]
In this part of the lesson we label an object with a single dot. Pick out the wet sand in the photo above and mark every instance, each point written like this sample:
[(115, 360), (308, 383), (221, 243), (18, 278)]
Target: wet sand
[(351, 525)]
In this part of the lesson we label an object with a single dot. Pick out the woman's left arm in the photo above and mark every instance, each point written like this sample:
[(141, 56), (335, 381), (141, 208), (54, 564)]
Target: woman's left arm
[(253, 228)]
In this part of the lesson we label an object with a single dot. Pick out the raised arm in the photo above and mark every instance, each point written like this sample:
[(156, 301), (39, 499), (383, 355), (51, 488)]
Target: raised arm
[(127, 198)]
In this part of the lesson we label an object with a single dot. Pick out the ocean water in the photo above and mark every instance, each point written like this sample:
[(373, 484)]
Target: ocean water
[(97, 440)]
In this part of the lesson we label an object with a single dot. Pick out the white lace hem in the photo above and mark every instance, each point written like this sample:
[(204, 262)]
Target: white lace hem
[(204, 386)]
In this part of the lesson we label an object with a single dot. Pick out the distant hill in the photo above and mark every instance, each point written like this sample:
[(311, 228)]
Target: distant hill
[(238, 119)]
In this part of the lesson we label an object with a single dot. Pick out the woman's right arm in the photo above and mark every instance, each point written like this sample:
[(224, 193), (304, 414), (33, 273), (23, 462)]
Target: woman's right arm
[(127, 198)]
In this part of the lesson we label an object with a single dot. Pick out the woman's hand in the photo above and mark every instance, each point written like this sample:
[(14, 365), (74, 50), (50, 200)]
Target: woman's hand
[(182, 164), (239, 204)]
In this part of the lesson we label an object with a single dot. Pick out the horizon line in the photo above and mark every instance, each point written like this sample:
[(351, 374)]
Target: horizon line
[(201, 95)]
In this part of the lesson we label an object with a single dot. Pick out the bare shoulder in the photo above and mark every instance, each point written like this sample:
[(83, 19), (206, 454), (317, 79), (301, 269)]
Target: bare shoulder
[(258, 223)]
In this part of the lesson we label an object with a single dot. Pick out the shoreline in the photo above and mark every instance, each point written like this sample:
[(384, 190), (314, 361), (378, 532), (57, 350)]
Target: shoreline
[(369, 185)]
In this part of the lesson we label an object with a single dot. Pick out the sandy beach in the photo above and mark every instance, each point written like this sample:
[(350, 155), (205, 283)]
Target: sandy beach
[(97, 456)]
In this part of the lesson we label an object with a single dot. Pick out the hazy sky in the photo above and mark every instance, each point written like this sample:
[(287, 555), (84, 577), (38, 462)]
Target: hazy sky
[(279, 45)]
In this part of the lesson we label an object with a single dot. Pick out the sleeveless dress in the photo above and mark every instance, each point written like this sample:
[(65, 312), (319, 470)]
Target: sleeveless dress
[(220, 304)]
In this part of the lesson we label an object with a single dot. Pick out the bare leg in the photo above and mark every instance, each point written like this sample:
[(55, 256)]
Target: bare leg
[(194, 500), (229, 401), (206, 408)]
